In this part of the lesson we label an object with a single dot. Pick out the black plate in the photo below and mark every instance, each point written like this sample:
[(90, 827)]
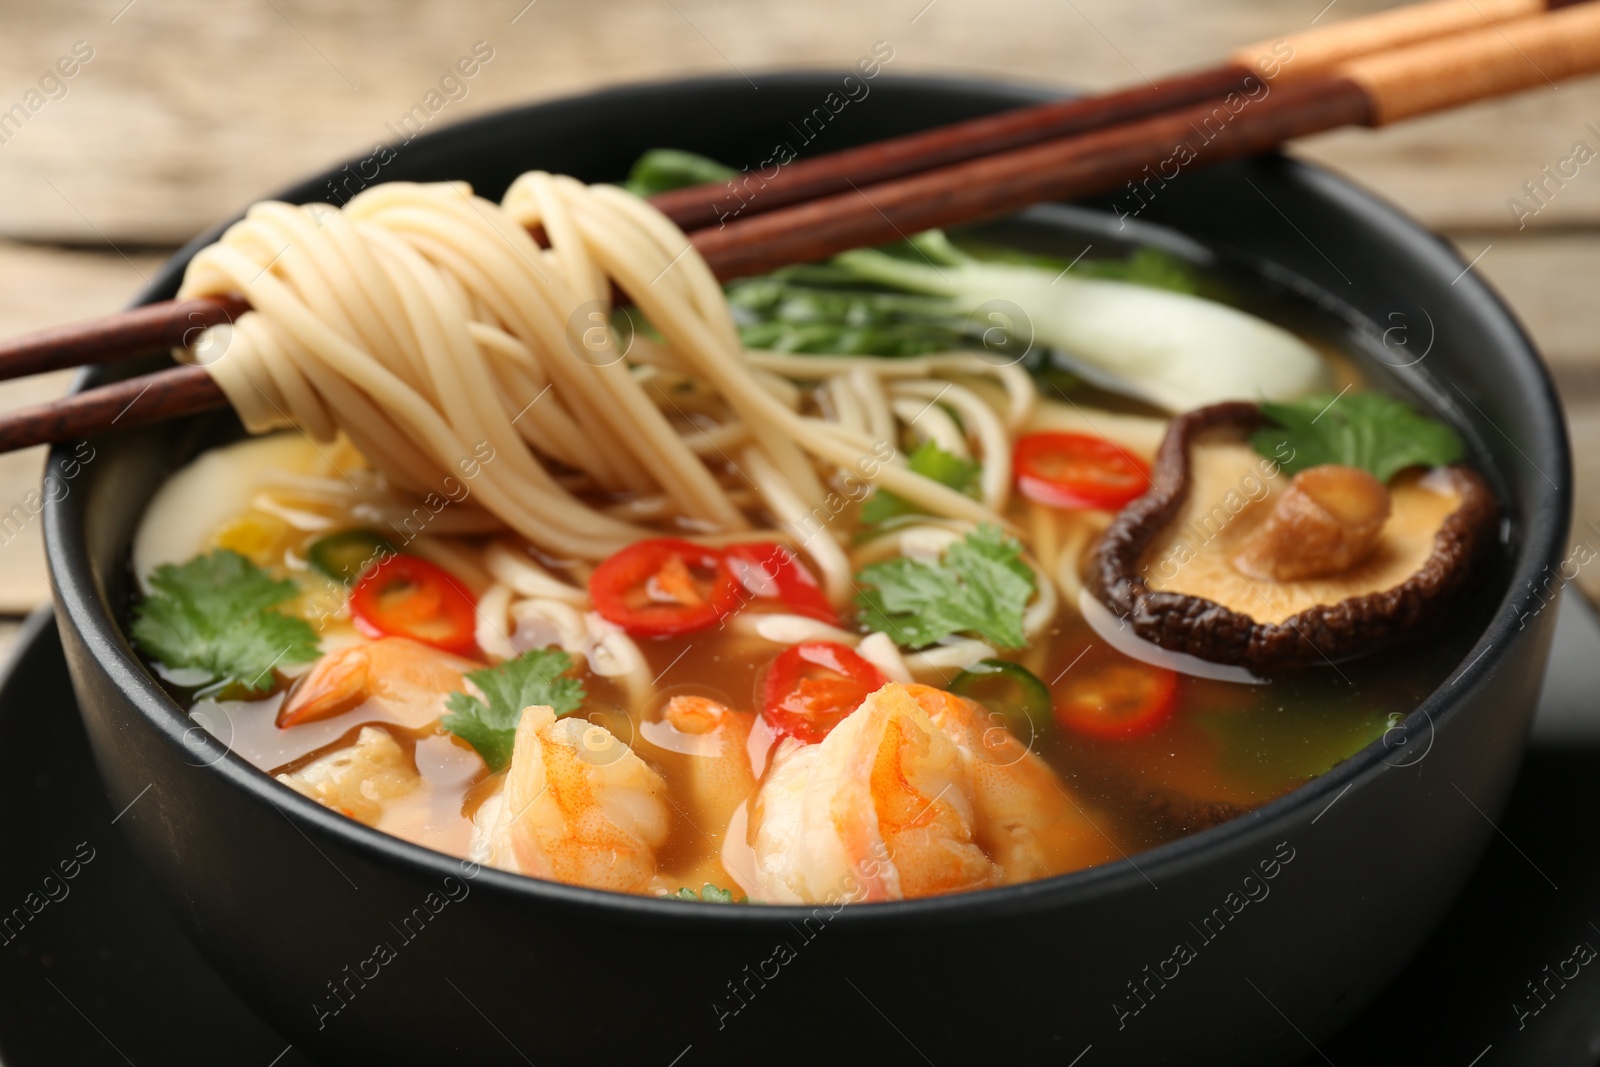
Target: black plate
[(103, 975)]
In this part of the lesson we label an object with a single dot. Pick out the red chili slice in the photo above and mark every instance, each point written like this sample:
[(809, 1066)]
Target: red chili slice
[(405, 596), (664, 586), (767, 569), (811, 687), (1077, 470), (1117, 700)]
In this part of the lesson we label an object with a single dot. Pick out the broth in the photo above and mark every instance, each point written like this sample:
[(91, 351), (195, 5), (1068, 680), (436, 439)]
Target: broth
[(1226, 746)]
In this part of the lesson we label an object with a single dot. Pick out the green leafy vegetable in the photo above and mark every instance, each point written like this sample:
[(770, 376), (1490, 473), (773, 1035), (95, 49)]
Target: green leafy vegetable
[(930, 461), (661, 170), (1169, 348), (1134, 326), (1372, 431), (981, 586), (710, 894), (1150, 267), (212, 614), (806, 309), (533, 678)]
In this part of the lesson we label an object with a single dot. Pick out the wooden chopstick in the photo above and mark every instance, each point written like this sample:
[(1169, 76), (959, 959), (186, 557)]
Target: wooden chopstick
[(1370, 90), (1278, 60), (137, 401), (755, 193), (162, 325), (150, 328)]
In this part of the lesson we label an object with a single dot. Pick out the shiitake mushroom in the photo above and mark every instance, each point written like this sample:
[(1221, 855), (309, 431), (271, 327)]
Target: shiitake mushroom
[(1229, 559)]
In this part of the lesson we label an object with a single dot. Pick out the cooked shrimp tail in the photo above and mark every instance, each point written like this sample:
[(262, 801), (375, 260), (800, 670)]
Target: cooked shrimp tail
[(1028, 822), (578, 806), (879, 810), (408, 681)]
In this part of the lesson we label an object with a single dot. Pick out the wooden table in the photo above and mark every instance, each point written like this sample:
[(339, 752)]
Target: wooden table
[(186, 110)]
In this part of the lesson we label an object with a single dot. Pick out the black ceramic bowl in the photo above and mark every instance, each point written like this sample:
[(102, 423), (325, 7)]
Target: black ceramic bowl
[(363, 948)]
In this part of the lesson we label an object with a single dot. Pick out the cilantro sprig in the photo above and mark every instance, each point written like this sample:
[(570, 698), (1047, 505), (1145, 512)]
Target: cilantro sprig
[(1373, 431), (981, 586), (930, 461), (213, 614), (490, 724)]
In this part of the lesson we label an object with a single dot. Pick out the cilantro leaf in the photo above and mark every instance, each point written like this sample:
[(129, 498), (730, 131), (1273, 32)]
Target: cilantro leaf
[(212, 614), (1373, 431), (930, 461), (981, 586), (533, 678), (710, 894)]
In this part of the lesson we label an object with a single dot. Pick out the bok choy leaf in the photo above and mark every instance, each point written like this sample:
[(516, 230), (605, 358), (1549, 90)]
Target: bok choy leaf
[(1133, 326)]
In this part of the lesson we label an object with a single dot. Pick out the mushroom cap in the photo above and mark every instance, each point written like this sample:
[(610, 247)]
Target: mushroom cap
[(1164, 564)]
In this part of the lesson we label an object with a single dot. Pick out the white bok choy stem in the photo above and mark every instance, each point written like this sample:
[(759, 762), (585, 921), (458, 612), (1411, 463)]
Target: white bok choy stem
[(1173, 350)]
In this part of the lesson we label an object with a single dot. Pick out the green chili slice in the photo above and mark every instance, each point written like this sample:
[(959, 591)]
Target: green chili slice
[(348, 554), (1009, 690)]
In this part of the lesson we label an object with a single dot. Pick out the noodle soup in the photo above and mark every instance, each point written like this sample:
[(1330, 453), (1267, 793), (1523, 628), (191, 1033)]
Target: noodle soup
[(814, 593)]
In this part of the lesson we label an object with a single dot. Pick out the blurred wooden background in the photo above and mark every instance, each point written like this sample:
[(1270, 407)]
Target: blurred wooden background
[(188, 110)]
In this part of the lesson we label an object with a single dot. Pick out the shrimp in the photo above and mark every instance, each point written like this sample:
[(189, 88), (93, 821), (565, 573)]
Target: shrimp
[(407, 680), (578, 806), (880, 809), (358, 780), (1027, 823)]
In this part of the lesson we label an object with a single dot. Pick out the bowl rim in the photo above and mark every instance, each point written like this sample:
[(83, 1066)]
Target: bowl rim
[(1543, 534)]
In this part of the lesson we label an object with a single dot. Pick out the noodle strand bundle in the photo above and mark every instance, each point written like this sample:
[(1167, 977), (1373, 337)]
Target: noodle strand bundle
[(425, 322)]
